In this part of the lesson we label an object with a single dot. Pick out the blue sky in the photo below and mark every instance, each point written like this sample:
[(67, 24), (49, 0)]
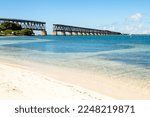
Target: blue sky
[(126, 16)]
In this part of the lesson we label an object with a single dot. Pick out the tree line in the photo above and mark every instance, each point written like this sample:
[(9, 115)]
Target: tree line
[(10, 28)]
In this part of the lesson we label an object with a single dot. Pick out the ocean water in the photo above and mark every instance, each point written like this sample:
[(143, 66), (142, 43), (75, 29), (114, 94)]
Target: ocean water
[(117, 56)]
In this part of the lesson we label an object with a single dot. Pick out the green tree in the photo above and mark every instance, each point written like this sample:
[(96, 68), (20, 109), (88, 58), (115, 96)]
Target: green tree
[(8, 32), (10, 26), (2, 28), (27, 32)]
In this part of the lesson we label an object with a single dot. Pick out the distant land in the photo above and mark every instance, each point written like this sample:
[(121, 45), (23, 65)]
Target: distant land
[(11, 29), (8, 28)]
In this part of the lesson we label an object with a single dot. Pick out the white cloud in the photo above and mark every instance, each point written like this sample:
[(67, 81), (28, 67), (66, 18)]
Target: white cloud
[(135, 24), (136, 17)]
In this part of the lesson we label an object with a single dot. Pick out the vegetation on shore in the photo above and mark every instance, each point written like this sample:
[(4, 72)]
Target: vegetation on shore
[(11, 29)]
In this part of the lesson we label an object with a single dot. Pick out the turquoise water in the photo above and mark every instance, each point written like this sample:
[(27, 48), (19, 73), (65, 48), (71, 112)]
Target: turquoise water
[(119, 56)]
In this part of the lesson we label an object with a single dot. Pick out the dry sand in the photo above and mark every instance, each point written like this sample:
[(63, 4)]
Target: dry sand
[(19, 83)]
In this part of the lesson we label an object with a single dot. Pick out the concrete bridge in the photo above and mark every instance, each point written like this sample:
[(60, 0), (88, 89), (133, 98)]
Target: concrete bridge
[(73, 30), (28, 24)]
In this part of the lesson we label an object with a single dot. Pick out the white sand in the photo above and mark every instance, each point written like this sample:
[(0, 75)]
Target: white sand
[(32, 80), (18, 83)]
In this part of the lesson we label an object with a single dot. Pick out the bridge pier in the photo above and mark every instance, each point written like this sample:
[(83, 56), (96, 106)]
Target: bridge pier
[(54, 33), (84, 34), (75, 33), (95, 34), (63, 33), (91, 33), (80, 34), (69, 33), (87, 34), (43, 33)]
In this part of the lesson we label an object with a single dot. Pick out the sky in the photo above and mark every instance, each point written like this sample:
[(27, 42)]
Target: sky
[(125, 16)]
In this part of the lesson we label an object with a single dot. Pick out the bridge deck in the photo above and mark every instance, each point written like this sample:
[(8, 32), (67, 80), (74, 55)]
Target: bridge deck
[(75, 29), (20, 20), (27, 24)]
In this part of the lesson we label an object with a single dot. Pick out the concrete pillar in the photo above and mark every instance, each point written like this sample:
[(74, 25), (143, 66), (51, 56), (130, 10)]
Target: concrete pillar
[(91, 33), (63, 33), (43, 33), (87, 33), (75, 33), (80, 34), (69, 33), (95, 34), (84, 34), (54, 33)]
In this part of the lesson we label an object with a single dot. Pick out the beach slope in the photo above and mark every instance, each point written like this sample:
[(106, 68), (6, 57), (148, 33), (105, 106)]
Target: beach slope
[(18, 83)]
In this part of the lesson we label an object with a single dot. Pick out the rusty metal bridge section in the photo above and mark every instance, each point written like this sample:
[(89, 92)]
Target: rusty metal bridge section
[(73, 30), (28, 24)]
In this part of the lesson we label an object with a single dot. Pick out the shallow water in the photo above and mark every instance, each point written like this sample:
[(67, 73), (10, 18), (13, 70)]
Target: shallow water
[(120, 57)]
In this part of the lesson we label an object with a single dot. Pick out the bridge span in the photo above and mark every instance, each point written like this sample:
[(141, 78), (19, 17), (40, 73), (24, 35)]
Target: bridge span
[(28, 24), (73, 30)]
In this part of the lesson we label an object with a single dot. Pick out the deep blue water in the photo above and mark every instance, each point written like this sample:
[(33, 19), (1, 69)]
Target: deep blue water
[(71, 46)]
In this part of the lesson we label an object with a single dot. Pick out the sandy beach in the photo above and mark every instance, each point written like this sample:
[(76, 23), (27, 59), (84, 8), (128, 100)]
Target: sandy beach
[(19, 83), (31, 80)]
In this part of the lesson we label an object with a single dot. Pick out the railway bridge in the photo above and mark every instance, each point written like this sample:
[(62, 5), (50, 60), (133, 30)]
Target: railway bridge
[(74, 30), (28, 24)]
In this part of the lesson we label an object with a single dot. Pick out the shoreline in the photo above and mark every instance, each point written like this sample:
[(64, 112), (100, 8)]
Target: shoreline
[(19, 83), (102, 85)]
